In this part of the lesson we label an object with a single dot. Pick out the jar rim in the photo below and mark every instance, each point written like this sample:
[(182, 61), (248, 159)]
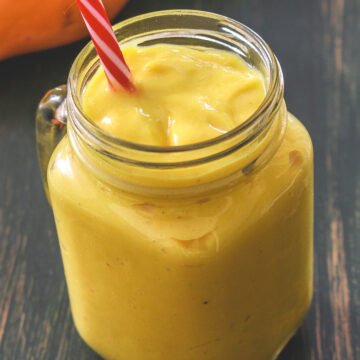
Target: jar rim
[(256, 120)]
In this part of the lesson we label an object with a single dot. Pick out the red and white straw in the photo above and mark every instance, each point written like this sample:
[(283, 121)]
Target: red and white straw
[(102, 34)]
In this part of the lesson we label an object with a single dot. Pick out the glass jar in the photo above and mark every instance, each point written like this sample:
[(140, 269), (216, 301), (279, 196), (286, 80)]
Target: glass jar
[(202, 251)]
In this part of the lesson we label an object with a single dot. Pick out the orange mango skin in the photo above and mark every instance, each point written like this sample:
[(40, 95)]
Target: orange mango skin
[(31, 25)]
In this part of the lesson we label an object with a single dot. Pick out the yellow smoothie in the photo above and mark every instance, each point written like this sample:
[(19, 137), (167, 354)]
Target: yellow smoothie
[(183, 96), (218, 275)]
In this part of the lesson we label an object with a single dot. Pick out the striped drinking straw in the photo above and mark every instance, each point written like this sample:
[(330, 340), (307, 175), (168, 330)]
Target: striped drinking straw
[(107, 47)]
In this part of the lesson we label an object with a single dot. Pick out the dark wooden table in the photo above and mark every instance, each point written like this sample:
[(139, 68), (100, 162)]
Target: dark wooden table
[(318, 45)]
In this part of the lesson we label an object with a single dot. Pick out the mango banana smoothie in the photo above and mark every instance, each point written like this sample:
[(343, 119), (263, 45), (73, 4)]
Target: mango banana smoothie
[(183, 96), (206, 261)]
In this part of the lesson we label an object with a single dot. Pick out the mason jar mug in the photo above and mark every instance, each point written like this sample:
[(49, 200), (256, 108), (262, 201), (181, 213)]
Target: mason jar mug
[(192, 252)]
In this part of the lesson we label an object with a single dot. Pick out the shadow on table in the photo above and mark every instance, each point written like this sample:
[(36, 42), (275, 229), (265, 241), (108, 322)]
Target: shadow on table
[(296, 349)]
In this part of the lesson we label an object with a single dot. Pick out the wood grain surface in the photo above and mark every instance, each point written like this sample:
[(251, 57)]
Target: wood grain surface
[(318, 45)]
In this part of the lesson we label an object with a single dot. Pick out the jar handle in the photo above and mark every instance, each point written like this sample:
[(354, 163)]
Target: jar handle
[(51, 116)]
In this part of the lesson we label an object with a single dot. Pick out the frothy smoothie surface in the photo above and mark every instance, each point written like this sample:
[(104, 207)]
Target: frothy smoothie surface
[(184, 95)]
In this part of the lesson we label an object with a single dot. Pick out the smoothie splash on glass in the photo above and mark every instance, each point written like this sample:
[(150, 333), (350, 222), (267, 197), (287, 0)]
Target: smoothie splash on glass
[(184, 209)]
